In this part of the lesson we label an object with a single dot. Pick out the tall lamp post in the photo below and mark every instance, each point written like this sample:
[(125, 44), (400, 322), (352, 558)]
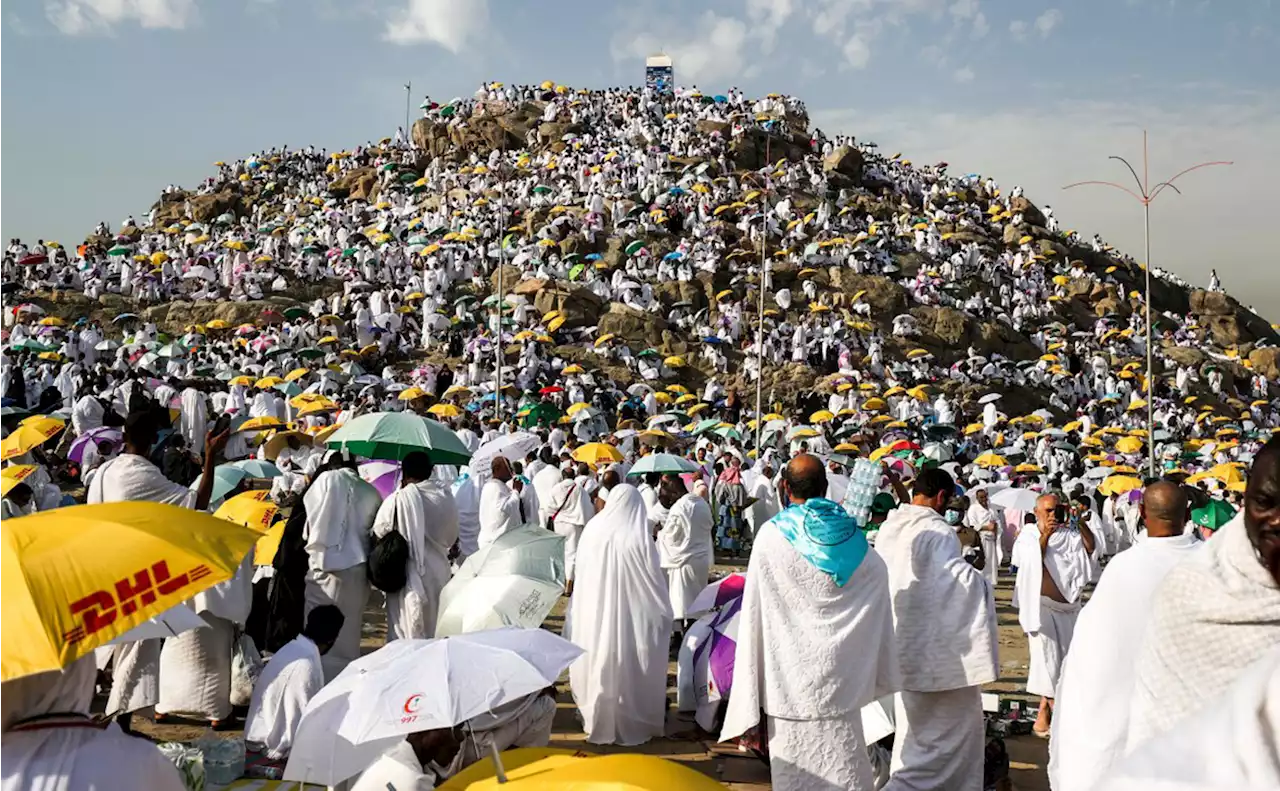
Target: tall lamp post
[(1145, 195), (408, 100), (763, 286)]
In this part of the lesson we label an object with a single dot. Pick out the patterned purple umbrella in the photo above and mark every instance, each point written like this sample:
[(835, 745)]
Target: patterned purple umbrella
[(103, 433), (384, 475)]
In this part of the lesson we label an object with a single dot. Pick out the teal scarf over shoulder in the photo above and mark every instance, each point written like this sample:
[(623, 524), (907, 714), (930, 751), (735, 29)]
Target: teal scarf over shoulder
[(825, 535)]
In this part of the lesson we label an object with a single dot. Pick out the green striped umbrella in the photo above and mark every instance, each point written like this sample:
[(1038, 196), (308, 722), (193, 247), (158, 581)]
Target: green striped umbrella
[(394, 435)]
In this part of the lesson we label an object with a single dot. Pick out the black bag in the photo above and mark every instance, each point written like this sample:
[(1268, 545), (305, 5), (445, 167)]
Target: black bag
[(388, 563)]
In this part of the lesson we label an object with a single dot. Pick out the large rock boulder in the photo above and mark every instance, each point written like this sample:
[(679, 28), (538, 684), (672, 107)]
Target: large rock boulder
[(709, 127), (357, 183), (580, 306), (206, 208), (1266, 361), (885, 297), (1183, 355), (1226, 330), (755, 149), (639, 328), (1030, 214), (510, 280), (947, 324), (845, 160), (1213, 303), (673, 291), (554, 131)]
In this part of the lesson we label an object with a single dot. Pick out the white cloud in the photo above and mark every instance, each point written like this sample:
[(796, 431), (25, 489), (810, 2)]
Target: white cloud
[(1223, 218), (451, 24), (85, 17), (766, 17), (980, 25), (1046, 22), (716, 52), (964, 9), (962, 75), (856, 51), (1018, 29)]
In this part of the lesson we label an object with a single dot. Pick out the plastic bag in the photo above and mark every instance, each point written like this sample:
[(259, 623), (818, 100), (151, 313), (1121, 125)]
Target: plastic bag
[(246, 665), (189, 762)]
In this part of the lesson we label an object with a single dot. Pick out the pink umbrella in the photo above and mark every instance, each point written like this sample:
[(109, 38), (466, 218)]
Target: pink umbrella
[(384, 475)]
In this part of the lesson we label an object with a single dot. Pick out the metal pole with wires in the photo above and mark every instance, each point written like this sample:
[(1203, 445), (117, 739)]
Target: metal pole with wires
[(502, 262), (408, 100), (763, 286), (1145, 195)]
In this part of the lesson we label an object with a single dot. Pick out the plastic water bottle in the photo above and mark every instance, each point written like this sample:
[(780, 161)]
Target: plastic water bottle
[(864, 484)]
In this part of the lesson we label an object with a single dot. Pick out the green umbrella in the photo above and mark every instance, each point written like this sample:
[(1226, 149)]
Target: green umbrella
[(31, 346), (704, 426), (728, 432), (290, 389), (541, 189), (350, 251), (118, 250), (394, 435), (310, 353), (544, 412), (294, 313), (635, 247), (389, 166), (576, 270), (448, 111), (408, 177), (1214, 515), (663, 463)]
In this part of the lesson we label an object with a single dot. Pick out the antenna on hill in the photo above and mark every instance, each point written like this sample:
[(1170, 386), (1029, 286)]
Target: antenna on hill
[(1145, 195)]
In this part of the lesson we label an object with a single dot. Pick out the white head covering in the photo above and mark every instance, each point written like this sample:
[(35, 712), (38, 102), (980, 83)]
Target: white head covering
[(69, 691)]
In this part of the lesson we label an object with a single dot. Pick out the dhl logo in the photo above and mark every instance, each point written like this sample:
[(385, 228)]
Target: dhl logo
[(100, 609)]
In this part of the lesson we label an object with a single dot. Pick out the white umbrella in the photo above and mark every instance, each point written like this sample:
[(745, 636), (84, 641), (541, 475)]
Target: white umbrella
[(109, 345), (639, 389), (202, 272), (512, 447), (440, 683), (515, 581), (1097, 473), (1016, 499), (319, 755), (936, 451), (989, 398)]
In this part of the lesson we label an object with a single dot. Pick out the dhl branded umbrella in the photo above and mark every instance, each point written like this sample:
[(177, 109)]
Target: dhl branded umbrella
[(597, 453), (33, 432), (78, 577), (445, 410), (13, 475), (990, 459), (254, 509)]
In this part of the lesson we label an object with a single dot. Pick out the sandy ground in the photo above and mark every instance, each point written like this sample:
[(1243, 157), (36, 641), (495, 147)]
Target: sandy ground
[(686, 744)]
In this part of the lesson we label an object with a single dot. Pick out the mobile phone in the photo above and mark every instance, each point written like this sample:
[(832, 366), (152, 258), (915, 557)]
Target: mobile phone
[(1060, 514), (221, 425)]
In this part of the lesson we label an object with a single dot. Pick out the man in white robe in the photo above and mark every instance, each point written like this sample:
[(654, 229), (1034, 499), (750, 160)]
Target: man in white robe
[(415, 764), (815, 641), (288, 682), (1054, 561), (571, 510), (1214, 614), (686, 550), (423, 512), (621, 616), (986, 519), (192, 419), (1091, 713), (500, 506), (944, 615), (131, 477), (50, 742), (762, 496), (340, 510)]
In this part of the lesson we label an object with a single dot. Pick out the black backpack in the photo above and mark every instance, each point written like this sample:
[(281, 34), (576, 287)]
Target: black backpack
[(388, 561)]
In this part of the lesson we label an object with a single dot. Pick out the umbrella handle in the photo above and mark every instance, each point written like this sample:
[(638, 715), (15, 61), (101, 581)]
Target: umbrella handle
[(497, 761)]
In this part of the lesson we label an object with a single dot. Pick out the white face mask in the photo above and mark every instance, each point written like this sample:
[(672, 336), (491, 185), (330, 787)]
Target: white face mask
[(952, 517)]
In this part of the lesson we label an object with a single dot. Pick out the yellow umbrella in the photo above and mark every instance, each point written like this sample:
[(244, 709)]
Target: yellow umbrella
[(260, 423), (1119, 484), (1228, 473), (596, 453), (1028, 467), (13, 475), (608, 336), (919, 393), (302, 399), (78, 577), (573, 369), (686, 398), (52, 321), (217, 324), (674, 361), (411, 393), (880, 453), (556, 323), (445, 410), (1128, 445), (578, 407), (456, 390), (990, 459), (804, 433), (822, 416), (317, 407), (242, 380), (914, 353), (696, 408), (774, 416), (250, 509), (267, 381), (296, 374), (874, 404), (550, 769), (33, 433)]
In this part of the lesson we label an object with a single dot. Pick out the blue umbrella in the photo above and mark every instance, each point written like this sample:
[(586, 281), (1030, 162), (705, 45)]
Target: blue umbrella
[(257, 469), (712, 339), (663, 463), (674, 255), (593, 257), (676, 191), (225, 478), (721, 98)]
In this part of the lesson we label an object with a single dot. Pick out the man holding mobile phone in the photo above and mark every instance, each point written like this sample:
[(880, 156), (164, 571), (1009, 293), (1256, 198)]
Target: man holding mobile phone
[(1054, 564)]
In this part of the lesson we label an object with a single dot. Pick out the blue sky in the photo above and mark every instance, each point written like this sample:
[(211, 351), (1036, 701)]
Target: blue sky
[(107, 101)]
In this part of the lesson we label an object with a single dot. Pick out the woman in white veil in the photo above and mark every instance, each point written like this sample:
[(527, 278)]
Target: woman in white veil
[(621, 615)]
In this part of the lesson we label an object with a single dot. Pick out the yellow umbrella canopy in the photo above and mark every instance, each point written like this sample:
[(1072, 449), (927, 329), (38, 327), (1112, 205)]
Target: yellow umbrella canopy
[(578, 407), (13, 475), (410, 393), (874, 404), (1128, 445), (445, 410), (1119, 484), (990, 459), (822, 416), (552, 769), (573, 369), (296, 374), (75, 578), (597, 453), (260, 423), (33, 432)]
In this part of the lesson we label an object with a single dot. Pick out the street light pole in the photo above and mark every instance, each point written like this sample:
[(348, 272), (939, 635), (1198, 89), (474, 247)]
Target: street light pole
[(408, 89), (763, 284), (1145, 195)]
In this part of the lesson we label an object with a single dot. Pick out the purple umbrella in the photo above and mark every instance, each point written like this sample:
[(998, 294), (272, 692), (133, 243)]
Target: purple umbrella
[(104, 433), (384, 475)]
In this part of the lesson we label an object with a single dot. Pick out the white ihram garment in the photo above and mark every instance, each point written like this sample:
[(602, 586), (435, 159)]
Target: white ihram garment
[(810, 655), (1229, 745), (340, 510), (572, 509), (135, 675), (499, 512), (70, 753), (944, 617), (1212, 616), (621, 616), (425, 515), (978, 518), (1048, 623), (288, 682), (686, 551), (1091, 711)]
